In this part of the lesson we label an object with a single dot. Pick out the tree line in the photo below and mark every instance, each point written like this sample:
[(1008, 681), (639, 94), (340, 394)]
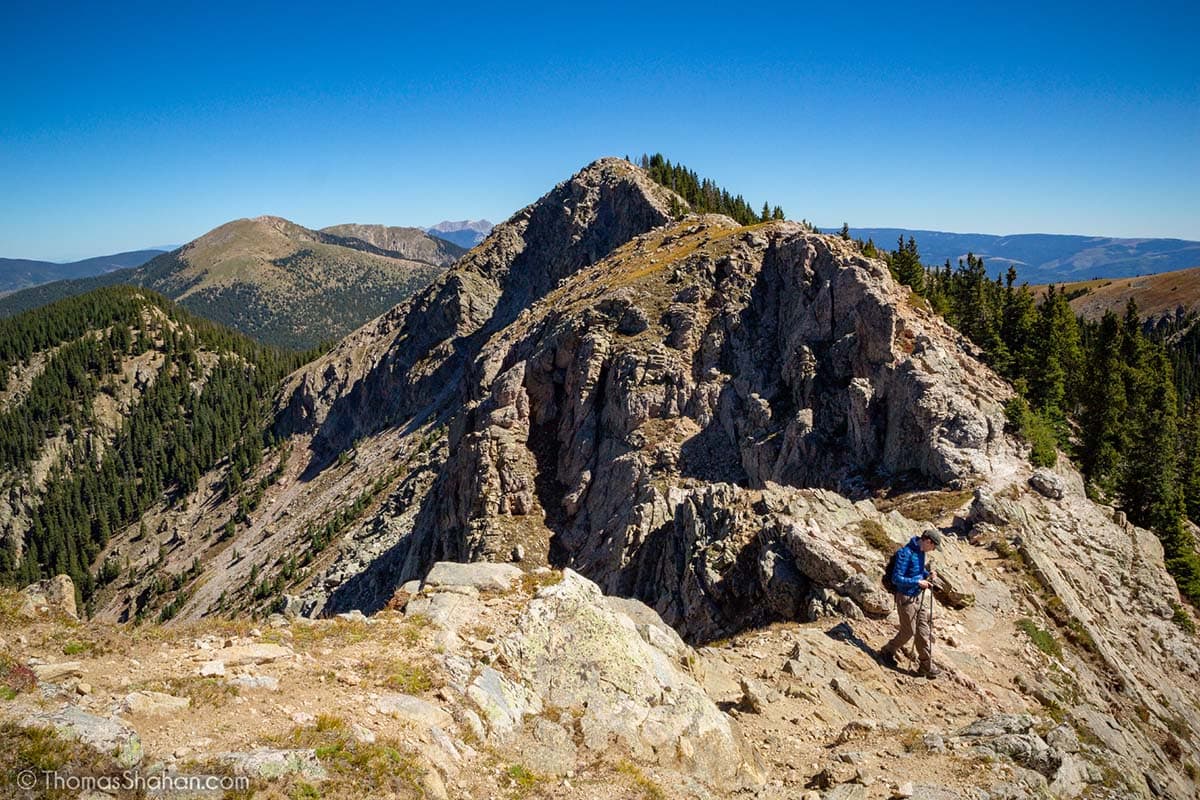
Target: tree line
[(1120, 399), (703, 195)]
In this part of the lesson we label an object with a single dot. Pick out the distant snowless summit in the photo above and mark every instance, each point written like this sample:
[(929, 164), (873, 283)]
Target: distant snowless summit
[(464, 233)]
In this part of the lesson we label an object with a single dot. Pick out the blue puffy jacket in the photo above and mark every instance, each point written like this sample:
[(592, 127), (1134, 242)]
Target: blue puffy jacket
[(910, 568)]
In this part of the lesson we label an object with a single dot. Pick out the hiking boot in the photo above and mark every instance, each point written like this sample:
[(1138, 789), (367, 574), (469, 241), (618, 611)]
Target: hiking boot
[(888, 659), (930, 672)]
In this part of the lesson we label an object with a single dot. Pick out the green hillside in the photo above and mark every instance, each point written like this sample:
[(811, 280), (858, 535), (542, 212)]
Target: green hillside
[(110, 402)]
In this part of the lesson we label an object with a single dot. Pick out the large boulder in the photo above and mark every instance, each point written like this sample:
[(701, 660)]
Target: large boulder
[(55, 596), (632, 698), (107, 735), (478, 575)]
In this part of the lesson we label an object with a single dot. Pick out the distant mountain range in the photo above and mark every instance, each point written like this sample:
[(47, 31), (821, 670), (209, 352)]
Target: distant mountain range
[(1043, 257), (277, 281), (21, 273), (465, 233)]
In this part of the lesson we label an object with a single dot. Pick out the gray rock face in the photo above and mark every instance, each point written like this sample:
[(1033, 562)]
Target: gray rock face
[(583, 427), (410, 243)]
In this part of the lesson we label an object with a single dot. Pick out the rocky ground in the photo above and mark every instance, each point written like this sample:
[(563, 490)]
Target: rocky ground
[(489, 681)]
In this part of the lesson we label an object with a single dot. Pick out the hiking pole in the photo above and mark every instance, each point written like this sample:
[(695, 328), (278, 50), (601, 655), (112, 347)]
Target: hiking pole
[(932, 603)]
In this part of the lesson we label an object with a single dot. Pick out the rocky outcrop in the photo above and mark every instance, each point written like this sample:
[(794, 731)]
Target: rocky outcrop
[(105, 734), (715, 419), (775, 361), (1104, 584), (582, 679), (409, 362)]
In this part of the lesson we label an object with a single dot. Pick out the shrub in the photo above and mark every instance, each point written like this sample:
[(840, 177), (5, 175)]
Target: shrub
[(874, 534), (1182, 618), (15, 677), (1042, 639)]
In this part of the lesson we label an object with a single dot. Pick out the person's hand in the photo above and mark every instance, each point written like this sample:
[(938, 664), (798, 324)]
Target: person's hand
[(924, 585)]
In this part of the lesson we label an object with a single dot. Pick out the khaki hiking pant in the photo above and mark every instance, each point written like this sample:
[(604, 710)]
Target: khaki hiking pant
[(913, 620)]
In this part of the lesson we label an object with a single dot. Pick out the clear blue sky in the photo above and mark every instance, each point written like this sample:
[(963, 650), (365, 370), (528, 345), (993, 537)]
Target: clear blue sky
[(125, 125)]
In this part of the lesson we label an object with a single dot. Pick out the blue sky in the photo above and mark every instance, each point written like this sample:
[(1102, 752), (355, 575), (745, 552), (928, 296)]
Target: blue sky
[(126, 125)]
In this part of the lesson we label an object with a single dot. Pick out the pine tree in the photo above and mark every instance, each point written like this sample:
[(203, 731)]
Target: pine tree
[(906, 265), (1103, 409), (1189, 478)]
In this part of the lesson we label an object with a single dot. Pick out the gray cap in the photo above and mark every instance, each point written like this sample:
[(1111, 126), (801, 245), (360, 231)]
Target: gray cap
[(933, 535)]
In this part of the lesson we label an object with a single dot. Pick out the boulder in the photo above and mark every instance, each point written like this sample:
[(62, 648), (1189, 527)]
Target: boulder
[(109, 736), (55, 596), (479, 575), (1048, 484), (270, 763), (152, 704), (58, 671), (998, 725), (250, 681), (242, 655), (414, 710), (212, 669), (576, 653), (755, 696)]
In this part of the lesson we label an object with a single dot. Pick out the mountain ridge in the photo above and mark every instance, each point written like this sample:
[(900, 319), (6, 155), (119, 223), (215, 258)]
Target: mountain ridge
[(276, 280), (22, 273)]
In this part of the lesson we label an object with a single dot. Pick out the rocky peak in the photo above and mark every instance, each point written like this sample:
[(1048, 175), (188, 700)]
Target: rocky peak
[(409, 360), (705, 353)]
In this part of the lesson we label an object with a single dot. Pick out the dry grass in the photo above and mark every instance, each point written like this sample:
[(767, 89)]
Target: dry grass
[(402, 676), (648, 788), (874, 534), (329, 632), (1155, 294), (912, 740), (413, 628), (926, 506), (43, 750), (522, 780), (531, 582), (10, 607), (383, 768), (201, 691)]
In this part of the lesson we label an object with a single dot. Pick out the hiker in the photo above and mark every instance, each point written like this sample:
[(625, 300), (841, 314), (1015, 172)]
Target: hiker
[(908, 579)]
